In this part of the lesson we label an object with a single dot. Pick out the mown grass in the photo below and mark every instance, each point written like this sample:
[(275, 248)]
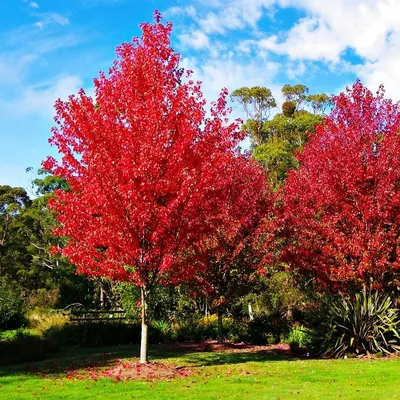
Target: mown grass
[(263, 375)]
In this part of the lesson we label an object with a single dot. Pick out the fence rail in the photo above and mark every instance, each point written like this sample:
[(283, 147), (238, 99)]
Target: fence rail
[(94, 315)]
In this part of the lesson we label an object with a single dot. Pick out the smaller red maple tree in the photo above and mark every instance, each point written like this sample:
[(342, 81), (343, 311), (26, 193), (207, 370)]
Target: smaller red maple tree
[(145, 169), (232, 257), (342, 205)]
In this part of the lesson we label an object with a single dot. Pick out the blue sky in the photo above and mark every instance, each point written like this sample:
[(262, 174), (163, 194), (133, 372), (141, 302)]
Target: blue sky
[(50, 49)]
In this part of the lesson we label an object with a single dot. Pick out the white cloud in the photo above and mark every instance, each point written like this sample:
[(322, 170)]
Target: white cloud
[(196, 39), (189, 11), (58, 19), (11, 69), (233, 14), (330, 31), (51, 18), (40, 99), (219, 73), (33, 4), (295, 70)]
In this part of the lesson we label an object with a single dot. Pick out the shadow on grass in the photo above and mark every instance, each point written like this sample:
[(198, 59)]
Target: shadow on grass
[(189, 355)]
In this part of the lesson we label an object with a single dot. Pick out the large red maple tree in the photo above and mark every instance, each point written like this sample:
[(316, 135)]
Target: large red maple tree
[(342, 205), (145, 169)]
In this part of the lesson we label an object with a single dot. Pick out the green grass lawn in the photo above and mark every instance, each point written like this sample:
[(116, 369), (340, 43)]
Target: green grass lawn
[(263, 375)]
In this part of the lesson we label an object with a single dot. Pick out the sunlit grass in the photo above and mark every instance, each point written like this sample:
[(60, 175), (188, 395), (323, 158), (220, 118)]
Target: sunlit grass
[(262, 375)]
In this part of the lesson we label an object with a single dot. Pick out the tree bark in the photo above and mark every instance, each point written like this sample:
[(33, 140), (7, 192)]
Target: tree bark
[(144, 336), (251, 316), (101, 296), (220, 335)]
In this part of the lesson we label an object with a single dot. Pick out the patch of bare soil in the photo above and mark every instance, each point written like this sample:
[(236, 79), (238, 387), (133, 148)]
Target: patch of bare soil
[(149, 371), (105, 365), (227, 347)]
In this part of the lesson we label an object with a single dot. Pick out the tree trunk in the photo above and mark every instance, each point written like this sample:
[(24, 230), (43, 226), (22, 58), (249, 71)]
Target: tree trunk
[(251, 316), (144, 336), (101, 296), (220, 336)]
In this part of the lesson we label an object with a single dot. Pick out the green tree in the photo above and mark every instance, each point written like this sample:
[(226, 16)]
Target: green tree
[(285, 136), (276, 156), (295, 93), (13, 239), (51, 271), (319, 102), (257, 102)]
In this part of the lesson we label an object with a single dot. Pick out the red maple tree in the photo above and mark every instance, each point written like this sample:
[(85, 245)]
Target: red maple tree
[(232, 257), (342, 205), (145, 169)]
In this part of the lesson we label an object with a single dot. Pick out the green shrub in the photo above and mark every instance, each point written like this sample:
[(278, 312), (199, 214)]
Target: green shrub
[(11, 313), (268, 328), (160, 331), (94, 334), (26, 347), (299, 338), (42, 321), (238, 332), (54, 333), (206, 328), (280, 292), (13, 333), (43, 298), (367, 324), (187, 330)]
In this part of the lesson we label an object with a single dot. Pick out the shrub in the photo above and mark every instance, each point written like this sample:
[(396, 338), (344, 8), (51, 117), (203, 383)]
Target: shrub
[(206, 328), (160, 331), (43, 298), (189, 329), (268, 328), (94, 334), (280, 292), (209, 326), (239, 332), (367, 324), (13, 333), (41, 321), (25, 347), (299, 338), (11, 314)]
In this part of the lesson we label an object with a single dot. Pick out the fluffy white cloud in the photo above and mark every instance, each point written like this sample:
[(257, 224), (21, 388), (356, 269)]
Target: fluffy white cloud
[(329, 31), (39, 99), (195, 39), (219, 73), (175, 11)]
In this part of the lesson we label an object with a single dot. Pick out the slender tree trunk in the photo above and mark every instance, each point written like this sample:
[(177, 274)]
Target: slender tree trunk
[(220, 335), (251, 316), (144, 336), (101, 296)]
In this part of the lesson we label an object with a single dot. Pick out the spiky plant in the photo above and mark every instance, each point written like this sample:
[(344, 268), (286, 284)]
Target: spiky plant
[(366, 324)]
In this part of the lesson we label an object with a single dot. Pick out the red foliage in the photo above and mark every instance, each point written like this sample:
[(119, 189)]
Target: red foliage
[(233, 255), (342, 205), (147, 170)]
